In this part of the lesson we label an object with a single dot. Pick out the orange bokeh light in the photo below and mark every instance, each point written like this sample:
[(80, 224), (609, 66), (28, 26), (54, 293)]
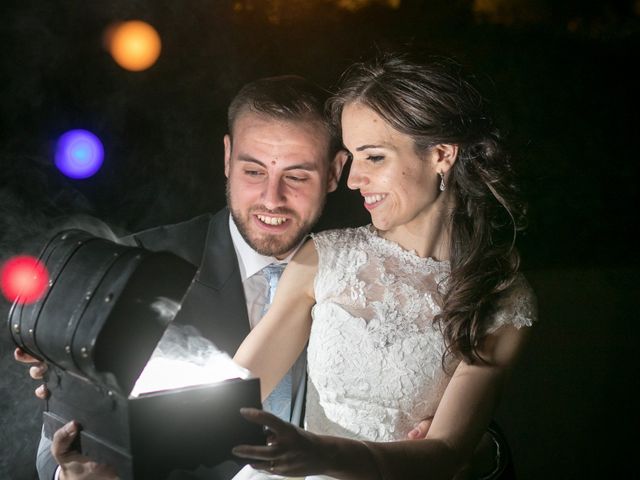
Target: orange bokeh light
[(134, 45)]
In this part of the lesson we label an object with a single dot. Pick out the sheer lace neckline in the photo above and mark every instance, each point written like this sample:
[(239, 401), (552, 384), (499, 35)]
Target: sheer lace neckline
[(408, 255)]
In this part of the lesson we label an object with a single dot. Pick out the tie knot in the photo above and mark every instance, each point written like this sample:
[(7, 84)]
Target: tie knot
[(272, 274), (274, 271)]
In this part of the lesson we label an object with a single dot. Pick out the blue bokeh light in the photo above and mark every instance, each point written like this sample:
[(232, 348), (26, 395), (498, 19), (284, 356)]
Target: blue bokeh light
[(79, 154)]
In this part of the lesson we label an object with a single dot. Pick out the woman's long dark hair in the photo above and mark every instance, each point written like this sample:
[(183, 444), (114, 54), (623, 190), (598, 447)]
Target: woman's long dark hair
[(434, 104)]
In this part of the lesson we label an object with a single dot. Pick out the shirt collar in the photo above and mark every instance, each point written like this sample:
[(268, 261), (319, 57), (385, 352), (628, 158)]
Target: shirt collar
[(250, 261)]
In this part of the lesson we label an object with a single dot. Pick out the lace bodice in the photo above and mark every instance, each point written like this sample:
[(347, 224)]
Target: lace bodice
[(374, 355)]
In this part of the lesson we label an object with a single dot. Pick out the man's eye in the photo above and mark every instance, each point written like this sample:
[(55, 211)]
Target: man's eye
[(375, 158), (297, 179)]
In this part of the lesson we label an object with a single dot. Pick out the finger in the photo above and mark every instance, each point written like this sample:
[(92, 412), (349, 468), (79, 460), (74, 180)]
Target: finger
[(42, 392), (424, 426), (105, 472), (421, 430), (37, 371), (266, 466), (266, 419), (23, 357), (254, 452), (62, 440)]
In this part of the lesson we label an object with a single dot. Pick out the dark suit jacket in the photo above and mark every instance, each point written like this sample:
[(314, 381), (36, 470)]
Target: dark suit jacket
[(215, 303)]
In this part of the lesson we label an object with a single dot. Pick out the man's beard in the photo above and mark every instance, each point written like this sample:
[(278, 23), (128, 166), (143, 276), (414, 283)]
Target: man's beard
[(272, 245)]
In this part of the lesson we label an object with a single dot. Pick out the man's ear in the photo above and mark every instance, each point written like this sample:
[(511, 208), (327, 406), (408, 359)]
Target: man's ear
[(335, 170), (227, 154), (444, 155)]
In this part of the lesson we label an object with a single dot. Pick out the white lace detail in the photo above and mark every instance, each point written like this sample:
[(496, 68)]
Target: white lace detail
[(517, 306), (374, 356)]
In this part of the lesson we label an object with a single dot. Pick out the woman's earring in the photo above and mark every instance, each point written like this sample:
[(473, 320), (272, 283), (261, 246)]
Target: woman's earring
[(442, 185)]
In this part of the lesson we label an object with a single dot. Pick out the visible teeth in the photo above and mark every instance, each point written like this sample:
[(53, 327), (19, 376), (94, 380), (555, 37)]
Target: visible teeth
[(373, 198), (272, 220)]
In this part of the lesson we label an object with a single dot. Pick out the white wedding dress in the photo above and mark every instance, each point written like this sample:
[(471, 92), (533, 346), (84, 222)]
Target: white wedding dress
[(374, 355)]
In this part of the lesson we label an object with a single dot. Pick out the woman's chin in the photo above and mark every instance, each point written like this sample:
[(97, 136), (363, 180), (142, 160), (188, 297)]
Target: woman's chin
[(380, 226)]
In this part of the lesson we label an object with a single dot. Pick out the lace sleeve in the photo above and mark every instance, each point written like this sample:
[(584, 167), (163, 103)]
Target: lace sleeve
[(518, 307), (326, 244)]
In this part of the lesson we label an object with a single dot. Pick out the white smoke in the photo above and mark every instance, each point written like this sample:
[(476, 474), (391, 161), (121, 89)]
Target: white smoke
[(184, 358)]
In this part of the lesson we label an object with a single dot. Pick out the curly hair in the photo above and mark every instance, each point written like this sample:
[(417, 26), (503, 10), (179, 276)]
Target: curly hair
[(435, 104)]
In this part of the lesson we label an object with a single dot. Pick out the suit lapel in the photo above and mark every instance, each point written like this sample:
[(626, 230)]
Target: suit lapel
[(216, 303)]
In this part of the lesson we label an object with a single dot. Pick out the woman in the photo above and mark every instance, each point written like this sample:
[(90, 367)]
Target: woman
[(419, 314)]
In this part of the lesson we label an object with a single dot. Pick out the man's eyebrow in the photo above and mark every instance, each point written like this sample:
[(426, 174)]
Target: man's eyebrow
[(308, 166), (247, 158)]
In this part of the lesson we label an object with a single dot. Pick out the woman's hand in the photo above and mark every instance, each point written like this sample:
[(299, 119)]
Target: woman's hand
[(293, 451), (289, 451)]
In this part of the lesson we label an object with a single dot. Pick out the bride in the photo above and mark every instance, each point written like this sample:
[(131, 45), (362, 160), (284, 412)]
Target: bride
[(417, 315)]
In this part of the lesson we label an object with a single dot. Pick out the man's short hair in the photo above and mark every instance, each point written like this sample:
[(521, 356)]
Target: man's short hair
[(287, 97)]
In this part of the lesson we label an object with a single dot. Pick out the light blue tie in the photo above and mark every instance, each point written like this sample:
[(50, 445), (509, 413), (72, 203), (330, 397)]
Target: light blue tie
[(279, 400)]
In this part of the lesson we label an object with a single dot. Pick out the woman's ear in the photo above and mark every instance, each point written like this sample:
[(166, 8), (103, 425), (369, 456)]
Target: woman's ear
[(444, 155)]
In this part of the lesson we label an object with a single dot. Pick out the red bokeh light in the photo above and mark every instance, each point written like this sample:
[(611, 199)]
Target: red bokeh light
[(24, 278)]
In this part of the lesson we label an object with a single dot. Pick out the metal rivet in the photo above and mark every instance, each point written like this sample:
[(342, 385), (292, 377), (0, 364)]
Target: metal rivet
[(84, 352), (67, 349), (51, 283), (64, 237), (115, 254), (87, 296), (110, 393), (108, 298), (31, 331), (16, 328)]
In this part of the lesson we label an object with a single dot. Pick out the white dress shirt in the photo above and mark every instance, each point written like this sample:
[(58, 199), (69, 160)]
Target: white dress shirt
[(251, 264), (255, 287)]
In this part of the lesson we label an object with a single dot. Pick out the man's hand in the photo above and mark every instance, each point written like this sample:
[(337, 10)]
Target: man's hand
[(37, 370), (421, 430), (73, 465)]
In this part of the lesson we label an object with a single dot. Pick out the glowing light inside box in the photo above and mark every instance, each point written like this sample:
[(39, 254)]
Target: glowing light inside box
[(180, 361), (79, 154)]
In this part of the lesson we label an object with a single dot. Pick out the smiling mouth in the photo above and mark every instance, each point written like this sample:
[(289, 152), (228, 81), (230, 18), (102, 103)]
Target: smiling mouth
[(269, 220), (371, 199)]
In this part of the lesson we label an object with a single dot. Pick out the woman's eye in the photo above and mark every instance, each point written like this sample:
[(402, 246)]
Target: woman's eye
[(375, 158), (252, 173)]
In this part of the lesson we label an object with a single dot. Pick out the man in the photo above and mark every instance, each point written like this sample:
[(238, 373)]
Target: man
[(281, 159)]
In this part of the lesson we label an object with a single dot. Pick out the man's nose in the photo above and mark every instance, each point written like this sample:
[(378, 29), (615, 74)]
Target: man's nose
[(273, 194)]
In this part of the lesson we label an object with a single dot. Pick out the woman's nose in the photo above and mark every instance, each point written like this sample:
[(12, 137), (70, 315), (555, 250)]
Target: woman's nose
[(357, 177)]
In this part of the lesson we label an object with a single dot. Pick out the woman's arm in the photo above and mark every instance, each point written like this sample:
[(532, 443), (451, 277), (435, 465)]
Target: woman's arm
[(281, 335), (464, 412), (463, 415)]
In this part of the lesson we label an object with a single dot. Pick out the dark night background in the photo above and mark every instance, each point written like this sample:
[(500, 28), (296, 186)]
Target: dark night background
[(560, 77)]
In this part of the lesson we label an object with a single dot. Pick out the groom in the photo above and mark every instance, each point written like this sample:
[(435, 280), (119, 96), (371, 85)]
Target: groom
[(281, 158)]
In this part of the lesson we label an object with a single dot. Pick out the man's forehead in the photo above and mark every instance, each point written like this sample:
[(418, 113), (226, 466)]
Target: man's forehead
[(257, 129)]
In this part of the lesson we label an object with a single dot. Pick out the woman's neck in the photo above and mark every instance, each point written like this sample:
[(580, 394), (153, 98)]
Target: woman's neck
[(428, 235)]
